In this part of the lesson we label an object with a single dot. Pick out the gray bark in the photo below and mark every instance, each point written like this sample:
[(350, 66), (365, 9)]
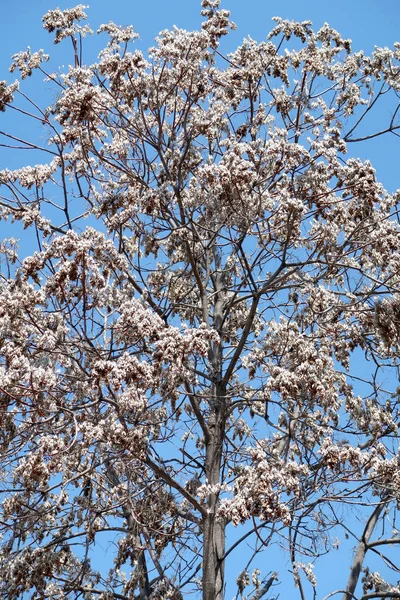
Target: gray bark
[(214, 526), (361, 552)]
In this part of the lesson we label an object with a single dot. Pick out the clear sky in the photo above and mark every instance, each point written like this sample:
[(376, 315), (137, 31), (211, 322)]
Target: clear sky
[(366, 22)]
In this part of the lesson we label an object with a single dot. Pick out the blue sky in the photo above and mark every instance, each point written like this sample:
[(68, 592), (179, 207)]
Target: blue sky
[(366, 22)]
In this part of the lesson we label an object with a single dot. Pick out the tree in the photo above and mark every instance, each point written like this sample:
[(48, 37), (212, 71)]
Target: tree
[(202, 354)]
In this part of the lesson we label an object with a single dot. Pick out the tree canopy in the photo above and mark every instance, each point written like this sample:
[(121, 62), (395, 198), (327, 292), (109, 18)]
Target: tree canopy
[(200, 359)]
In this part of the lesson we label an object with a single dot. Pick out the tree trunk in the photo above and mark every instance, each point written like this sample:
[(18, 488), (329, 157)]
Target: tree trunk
[(213, 565), (214, 527)]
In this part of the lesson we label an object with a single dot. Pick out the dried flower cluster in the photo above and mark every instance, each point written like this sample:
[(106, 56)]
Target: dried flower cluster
[(208, 333)]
